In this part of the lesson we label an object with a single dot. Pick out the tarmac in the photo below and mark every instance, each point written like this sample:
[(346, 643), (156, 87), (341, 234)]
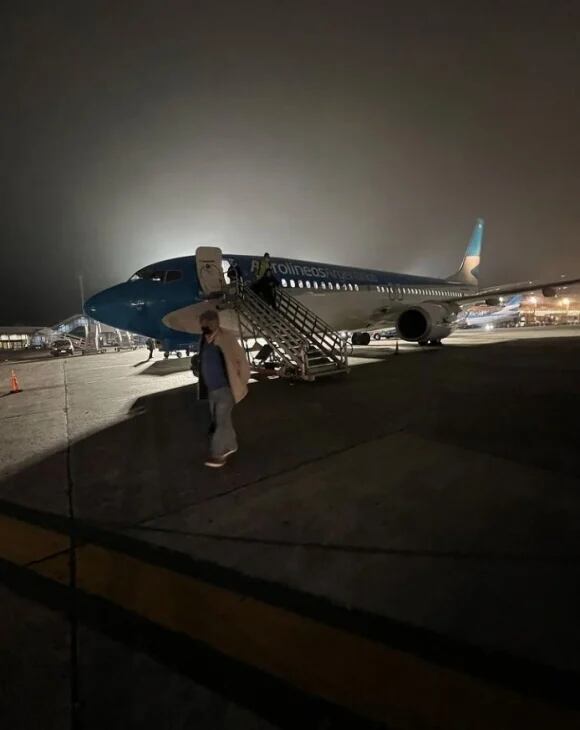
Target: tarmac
[(393, 548)]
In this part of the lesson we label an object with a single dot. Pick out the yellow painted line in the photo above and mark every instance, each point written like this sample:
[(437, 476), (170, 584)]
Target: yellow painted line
[(370, 678), (22, 542)]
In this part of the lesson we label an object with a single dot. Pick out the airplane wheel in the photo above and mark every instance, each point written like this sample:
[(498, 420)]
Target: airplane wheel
[(178, 353), (361, 338), (376, 336), (166, 355)]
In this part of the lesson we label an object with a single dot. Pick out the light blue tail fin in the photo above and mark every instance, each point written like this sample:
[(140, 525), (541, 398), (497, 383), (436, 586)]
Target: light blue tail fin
[(468, 273)]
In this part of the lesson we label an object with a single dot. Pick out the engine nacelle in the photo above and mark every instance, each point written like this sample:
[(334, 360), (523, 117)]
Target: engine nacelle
[(426, 322), (549, 291), (493, 301)]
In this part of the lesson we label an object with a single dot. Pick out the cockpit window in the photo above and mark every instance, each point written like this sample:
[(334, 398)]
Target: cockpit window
[(156, 275), (149, 274)]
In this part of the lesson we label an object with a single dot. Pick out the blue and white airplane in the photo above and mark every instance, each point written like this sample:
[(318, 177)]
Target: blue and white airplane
[(164, 300), (486, 318)]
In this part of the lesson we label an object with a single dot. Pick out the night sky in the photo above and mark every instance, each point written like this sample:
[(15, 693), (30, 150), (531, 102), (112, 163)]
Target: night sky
[(364, 133)]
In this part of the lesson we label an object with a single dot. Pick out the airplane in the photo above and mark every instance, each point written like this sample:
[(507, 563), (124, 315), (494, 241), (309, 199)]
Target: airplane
[(508, 312), (164, 300)]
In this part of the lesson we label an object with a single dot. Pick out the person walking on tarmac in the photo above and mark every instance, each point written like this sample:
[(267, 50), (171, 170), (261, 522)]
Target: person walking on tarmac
[(150, 346), (224, 373)]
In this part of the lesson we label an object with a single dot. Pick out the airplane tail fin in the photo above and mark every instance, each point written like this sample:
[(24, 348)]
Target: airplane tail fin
[(468, 273)]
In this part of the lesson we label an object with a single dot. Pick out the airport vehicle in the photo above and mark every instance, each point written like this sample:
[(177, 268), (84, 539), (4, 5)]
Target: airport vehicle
[(388, 334), (506, 315), (164, 300), (63, 346)]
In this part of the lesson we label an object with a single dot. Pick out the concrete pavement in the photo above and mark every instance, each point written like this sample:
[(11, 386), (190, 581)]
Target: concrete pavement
[(437, 489)]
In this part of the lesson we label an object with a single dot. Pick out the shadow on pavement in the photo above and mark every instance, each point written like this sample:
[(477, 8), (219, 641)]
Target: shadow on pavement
[(165, 367), (517, 400)]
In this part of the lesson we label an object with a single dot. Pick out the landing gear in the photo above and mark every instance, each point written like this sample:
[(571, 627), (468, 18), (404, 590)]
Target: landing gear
[(360, 338), (166, 355), (178, 353), (429, 343)]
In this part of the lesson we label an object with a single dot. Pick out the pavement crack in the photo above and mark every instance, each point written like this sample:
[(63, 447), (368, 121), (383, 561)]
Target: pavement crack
[(370, 549), (260, 480), (75, 720)]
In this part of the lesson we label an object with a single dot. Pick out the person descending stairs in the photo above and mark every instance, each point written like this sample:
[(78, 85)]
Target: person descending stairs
[(305, 346)]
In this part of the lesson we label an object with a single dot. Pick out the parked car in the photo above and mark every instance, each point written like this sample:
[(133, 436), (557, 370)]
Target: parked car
[(62, 347)]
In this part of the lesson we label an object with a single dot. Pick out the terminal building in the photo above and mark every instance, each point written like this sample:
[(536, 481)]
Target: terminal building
[(86, 334), (18, 337)]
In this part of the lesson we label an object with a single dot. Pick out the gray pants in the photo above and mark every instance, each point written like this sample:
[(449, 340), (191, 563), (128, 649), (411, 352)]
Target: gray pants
[(223, 439)]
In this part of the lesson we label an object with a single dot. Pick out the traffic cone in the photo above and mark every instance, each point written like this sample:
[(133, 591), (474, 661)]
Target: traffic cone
[(14, 386)]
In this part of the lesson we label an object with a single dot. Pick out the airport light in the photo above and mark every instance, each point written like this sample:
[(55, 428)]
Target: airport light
[(533, 300), (565, 302)]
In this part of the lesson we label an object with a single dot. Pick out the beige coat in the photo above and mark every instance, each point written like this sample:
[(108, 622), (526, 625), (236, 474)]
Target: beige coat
[(236, 364)]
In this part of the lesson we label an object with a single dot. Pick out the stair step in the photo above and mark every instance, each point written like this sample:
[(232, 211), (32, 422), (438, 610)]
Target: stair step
[(318, 369)]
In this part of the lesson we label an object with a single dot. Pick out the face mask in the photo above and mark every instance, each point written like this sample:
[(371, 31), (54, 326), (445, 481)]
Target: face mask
[(206, 330)]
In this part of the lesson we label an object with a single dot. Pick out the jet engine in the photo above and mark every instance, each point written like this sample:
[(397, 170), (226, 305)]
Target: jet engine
[(427, 322)]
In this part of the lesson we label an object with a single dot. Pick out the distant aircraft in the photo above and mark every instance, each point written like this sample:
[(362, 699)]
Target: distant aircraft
[(486, 319), (164, 300)]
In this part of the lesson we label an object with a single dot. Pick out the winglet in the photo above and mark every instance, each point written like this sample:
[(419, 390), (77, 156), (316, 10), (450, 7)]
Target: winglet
[(468, 273)]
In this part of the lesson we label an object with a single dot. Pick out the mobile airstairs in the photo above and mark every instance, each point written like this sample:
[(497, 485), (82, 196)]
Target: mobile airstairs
[(299, 342)]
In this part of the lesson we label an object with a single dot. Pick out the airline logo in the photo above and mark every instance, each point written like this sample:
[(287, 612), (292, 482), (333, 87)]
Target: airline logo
[(287, 268)]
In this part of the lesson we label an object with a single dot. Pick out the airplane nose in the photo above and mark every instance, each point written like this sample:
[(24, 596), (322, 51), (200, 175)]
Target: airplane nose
[(111, 307)]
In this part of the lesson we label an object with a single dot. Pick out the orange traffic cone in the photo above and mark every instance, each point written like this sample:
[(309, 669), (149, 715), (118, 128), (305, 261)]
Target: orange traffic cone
[(14, 387)]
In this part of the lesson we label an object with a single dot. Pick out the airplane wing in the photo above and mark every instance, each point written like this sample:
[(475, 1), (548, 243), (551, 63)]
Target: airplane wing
[(548, 288)]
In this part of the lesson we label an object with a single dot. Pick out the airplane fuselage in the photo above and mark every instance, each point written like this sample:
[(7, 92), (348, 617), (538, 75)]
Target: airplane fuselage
[(164, 300)]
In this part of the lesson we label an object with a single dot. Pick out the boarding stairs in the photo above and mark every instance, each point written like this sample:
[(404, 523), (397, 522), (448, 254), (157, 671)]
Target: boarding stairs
[(302, 344)]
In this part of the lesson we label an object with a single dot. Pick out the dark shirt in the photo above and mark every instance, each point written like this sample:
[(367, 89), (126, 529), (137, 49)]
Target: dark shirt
[(213, 367)]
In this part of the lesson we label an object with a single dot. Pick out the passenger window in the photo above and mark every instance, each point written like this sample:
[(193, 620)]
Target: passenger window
[(292, 283), (315, 284), (323, 285), (156, 276), (344, 287), (173, 276), (356, 287), (300, 284), (307, 284), (284, 282), (350, 287)]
